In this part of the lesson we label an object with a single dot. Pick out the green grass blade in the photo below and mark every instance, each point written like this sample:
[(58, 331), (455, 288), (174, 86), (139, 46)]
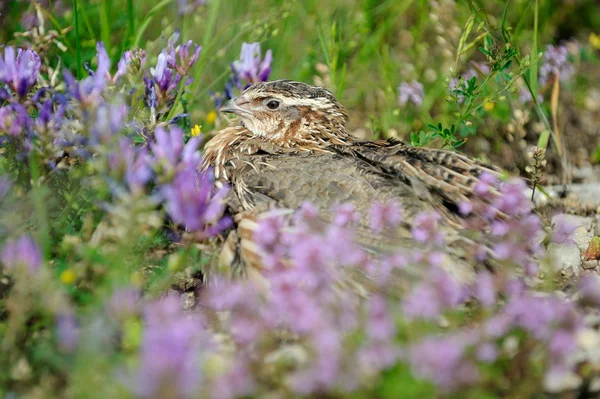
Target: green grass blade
[(533, 71), (147, 20), (105, 24), (130, 21), (77, 39)]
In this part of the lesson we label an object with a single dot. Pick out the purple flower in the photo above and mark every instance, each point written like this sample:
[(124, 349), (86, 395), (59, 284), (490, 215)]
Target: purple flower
[(485, 184), (484, 289), (171, 343), (375, 356), (385, 215), (589, 288), (164, 74), (411, 92), (345, 215), (379, 326), (525, 96), (437, 292), (487, 352), (425, 229), (90, 89), (539, 314), (171, 154), (455, 88), (477, 69), (13, 119), (563, 230), (5, 186), (108, 122), (19, 72), (186, 59), (513, 201), (555, 64), (124, 302), (189, 7), (443, 360), (131, 61), (22, 251), (190, 202), (132, 163), (250, 67), (236, 382), (67, 332)]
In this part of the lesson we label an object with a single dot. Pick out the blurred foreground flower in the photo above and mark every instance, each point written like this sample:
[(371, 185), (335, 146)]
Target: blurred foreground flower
[(411, 92), (23, 252), (169, 359), (556, 64), (191, 203)]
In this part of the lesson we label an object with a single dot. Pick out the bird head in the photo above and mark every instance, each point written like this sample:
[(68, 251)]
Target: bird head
[(286, 112)]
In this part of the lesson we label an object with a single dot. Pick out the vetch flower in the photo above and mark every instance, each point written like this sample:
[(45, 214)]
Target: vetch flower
[(13, 119), (132, 61), (250, 67), (19, 71), (190, 202), (170, 153)]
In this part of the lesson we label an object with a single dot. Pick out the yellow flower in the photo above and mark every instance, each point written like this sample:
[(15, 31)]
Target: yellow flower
[(67, 276), (196, 130), (488, 106), (594, 40), (211, 117)]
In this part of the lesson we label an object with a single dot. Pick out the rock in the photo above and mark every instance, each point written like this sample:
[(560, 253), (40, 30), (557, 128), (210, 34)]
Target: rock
[(589, 264), (584, 192), (582, 238), (567, 258), (588, 339)]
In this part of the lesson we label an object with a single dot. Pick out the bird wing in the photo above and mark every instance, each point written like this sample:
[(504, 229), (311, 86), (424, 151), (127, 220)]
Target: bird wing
[(448, 174)]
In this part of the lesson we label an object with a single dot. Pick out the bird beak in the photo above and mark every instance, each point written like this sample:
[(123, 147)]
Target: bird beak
[(234, 106)]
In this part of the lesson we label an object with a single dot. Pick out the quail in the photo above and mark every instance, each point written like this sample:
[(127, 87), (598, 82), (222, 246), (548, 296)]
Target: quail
[(289, 144)]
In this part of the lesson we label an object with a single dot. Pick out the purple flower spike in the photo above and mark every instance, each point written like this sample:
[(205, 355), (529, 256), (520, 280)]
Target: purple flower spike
[(131, 61), (187, 60), (170, 153), (191, 203), (21, 252), (168, 361), (19, 72), (13, 119), (165, 77), (250, 67)]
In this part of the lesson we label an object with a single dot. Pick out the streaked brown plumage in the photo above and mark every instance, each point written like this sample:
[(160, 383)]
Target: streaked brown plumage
[(290, 145)]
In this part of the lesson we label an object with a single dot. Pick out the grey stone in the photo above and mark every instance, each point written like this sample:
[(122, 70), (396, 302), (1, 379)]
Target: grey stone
[(567, 258)]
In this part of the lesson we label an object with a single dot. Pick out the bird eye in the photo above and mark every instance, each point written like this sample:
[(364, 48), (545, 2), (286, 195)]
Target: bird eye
[(273, 104)]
